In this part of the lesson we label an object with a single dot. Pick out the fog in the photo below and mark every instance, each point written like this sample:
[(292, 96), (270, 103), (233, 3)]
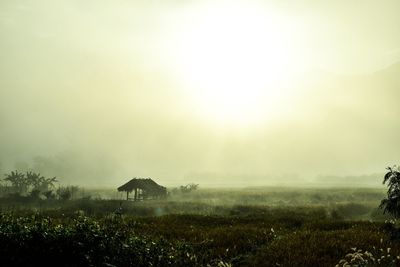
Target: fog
[(89, 92)]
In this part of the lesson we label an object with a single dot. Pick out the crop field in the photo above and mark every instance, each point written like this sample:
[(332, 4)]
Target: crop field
[(218, 227)]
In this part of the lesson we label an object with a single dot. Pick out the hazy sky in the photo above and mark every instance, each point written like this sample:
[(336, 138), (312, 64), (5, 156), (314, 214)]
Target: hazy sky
[(199, 91)]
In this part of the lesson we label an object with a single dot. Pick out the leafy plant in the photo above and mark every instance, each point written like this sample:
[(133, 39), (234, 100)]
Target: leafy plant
[(391, 204), (377, 257), (18, 181), (39, 182), (22, 183)]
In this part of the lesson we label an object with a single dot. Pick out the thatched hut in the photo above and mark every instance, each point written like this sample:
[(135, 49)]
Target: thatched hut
[(143, 188)]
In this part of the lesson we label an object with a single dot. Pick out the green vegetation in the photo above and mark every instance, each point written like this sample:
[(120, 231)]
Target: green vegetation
[(391, 204), (41, 224), (29, 183), (288, 237), (207, 227)]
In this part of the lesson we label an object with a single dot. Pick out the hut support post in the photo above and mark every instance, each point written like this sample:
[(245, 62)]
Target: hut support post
[(127, 195), (136, 194)]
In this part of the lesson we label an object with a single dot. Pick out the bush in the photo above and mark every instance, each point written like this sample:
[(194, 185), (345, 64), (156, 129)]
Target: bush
[(38, 241), (391, 203), (67, 192)]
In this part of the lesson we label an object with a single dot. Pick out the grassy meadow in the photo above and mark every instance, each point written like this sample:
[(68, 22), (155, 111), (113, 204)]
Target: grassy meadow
[(207, 227)]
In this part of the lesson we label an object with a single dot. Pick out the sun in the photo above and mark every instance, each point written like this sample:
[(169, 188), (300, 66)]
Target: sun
[(238, 64)]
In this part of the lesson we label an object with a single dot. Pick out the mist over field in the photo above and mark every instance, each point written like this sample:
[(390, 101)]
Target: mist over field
[(218, 133), (92, 93)]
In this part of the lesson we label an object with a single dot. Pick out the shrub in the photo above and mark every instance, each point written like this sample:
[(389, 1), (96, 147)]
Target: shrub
[(67, 192), (391, 204), (378, 257)]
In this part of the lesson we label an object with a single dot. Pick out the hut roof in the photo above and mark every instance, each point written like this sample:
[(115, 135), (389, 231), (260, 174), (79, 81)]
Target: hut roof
[(146, 184)]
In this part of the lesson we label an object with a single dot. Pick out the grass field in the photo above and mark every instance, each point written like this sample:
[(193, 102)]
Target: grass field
[(249, 227)]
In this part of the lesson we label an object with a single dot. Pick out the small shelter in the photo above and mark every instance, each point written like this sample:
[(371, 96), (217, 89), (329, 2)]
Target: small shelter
[(143, 188)]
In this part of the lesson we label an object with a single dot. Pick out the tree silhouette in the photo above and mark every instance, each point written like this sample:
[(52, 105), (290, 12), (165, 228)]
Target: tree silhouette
[(391, 204), (18, 181), (40, 183), (21, 183), (35, 180), (67, 192), (188, 188)]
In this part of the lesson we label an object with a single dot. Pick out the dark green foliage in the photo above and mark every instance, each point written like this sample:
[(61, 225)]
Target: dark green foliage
[(35, 194), (82, 241), (67, 192), (63, 193), (352, 210), (306, 238), (377, 214), (18, 181), (29, 183), (391, 204), (178, 232), (318, 247), (40, 183)]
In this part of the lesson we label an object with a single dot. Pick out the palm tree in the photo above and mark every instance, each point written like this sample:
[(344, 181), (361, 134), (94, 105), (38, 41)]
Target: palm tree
[(18, 181), (39, 182), (35, 180), (49, 183)]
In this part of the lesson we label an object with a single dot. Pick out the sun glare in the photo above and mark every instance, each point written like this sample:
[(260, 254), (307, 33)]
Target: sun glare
[(238, 64)]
